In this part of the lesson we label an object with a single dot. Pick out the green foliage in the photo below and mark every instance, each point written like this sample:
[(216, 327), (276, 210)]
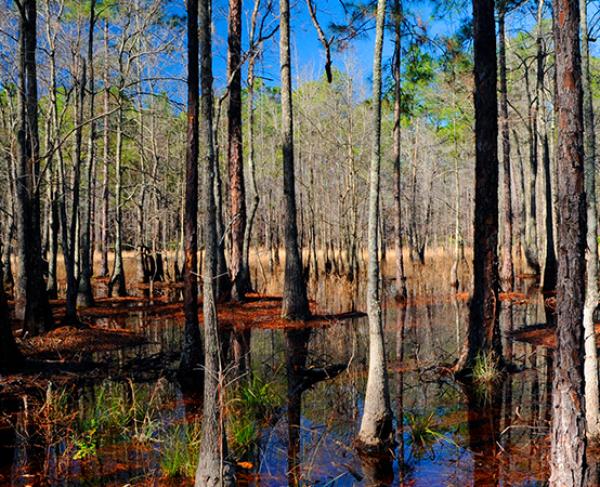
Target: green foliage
[(254, 403), (485, 369), (181, 447)]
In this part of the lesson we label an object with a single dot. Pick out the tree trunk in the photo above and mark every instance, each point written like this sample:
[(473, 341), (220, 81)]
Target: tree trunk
[(212, 467), (376, 433), (85, 294), (295, 300), (483, 336), (507, 270), (105, 154), (31, 299), (567, 460), (592, 393), (69, 228), (118, 274), (10, 355), (192, 354), (401, 292), (237, 191)]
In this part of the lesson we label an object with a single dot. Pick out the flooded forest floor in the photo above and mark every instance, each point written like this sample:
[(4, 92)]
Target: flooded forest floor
[(102, 405)]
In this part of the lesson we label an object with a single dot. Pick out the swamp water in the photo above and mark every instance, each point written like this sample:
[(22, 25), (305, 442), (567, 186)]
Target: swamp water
[(144, 430)]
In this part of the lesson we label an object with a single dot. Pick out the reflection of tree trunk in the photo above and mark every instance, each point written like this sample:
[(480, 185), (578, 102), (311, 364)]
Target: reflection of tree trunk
[(241, 351), (297, 352), (568, 432), (400, 327), (484, 435)]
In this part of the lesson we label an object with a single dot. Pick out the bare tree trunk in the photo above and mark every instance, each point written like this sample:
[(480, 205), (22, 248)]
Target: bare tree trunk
[(69, 228), (507, 271), (118, 274), (568, 433), (85, 293), (192, 356), (592, 393), (401, 292), (295, 300), (483, 335), (31, 299), (212, 467), (10, 355), (105, 155), (376, 433), (251, 151), (239, 276)]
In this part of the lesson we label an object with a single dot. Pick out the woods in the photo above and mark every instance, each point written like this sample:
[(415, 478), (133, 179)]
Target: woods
[(299, 243)]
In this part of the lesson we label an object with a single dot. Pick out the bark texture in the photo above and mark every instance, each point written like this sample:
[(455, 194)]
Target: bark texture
[(567, 460), (213, 468), (376, 432), (483, 336), (237, 191), (295, 300), (30, 291), (592, 393), (507, 269), (192, 353)]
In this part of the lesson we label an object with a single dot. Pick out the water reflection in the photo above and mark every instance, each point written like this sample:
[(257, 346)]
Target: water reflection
[(471, 440)]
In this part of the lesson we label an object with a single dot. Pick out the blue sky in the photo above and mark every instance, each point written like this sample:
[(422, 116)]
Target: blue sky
[(307, 52)]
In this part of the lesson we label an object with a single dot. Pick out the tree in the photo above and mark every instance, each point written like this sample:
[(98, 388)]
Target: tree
[(568, 432), (237, 191), (295, 300), (31, 299), (10, 355), (85, 292), (592, 393), (376, 432), (483, 336), (212, 467), (192, 353), (401, 291), (507, 270)]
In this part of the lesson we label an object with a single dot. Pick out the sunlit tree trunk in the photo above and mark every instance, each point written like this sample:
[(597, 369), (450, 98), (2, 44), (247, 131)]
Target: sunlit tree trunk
[(105, 155), (507, 271), (483, 336), (213, 469), (251, 150), (592, 404), (237, 190), (568, 432), (401, 292), (118, 274), (295, 300), (376, 432)]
